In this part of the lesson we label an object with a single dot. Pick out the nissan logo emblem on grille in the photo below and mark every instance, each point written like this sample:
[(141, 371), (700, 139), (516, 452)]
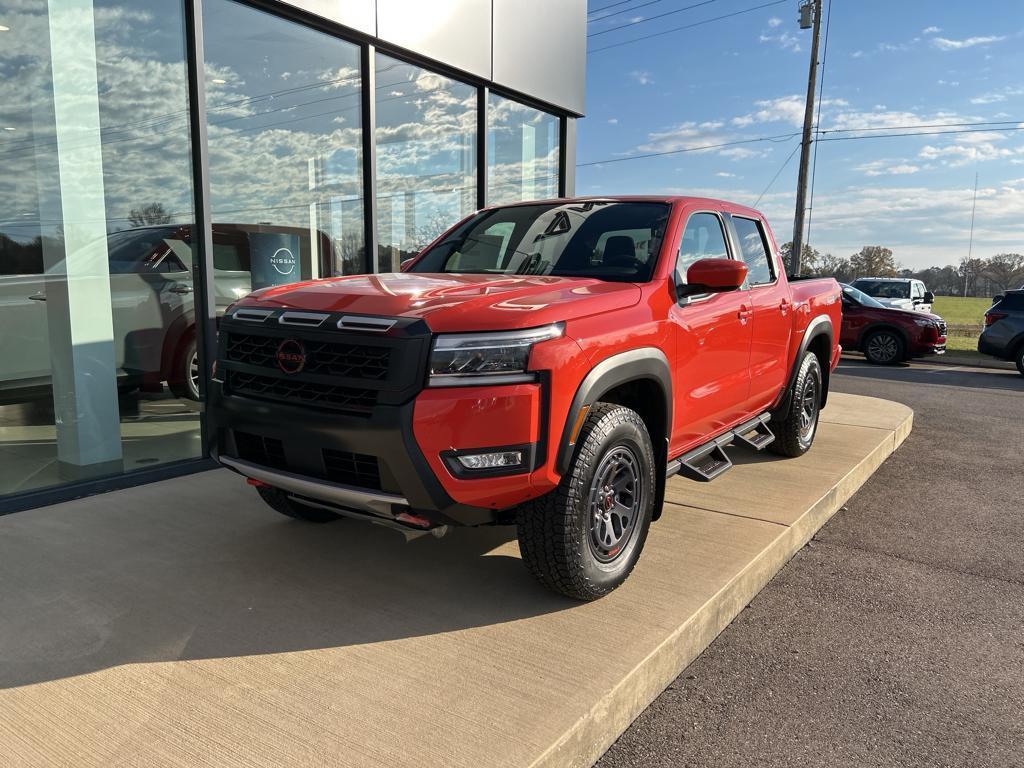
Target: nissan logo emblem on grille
[(291, 356)]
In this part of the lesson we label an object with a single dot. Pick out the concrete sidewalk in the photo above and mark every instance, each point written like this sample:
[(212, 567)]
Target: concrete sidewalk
[(184, 624)]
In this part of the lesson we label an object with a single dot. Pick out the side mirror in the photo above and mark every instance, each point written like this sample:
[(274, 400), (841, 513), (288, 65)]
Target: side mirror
[(713, 276), (929, 297), (406, 264)]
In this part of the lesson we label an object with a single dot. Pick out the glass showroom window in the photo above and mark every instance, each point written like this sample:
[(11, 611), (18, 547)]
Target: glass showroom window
[(96, 302), (426, 157), (522, 152), (285, 152)]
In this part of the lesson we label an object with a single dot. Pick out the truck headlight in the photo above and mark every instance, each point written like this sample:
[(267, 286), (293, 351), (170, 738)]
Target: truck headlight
[(468, 359)]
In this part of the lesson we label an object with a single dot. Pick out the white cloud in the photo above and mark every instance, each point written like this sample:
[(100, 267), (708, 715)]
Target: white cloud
[(785, 40), (887, 168), (774, 21), (988, 98), (946, 44), (785, 109), (642, 77), (858, 54), (725, 175), (931, 30), (613, 121)]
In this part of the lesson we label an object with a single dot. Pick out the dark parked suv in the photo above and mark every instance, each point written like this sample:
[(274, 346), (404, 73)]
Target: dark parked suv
[(1003, 336)]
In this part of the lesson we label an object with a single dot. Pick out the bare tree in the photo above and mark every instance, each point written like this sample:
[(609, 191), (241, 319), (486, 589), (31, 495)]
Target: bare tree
[(873, 261), (149, 214)]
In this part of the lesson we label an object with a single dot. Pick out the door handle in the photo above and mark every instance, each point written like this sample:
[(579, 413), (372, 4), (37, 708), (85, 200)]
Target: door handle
[(37, 297), (745, 313), (181, 288), (784, 307)]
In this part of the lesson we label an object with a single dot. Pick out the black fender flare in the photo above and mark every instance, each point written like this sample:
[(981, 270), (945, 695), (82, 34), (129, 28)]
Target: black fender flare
[(819, 326), (881, 325), (636, 364)]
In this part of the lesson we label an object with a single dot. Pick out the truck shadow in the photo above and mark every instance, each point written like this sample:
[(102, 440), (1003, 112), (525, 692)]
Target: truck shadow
[(85, 589)]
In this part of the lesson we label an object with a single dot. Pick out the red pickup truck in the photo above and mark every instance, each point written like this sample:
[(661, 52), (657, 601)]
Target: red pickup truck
[(545, 364)]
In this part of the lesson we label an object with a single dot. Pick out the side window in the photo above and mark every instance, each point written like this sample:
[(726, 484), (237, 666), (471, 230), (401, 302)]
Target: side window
[(703, 238), (754, 248), (918, 290)]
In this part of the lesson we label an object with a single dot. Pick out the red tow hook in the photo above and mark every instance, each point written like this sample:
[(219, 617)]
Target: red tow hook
[(257, 483), (411, 519)]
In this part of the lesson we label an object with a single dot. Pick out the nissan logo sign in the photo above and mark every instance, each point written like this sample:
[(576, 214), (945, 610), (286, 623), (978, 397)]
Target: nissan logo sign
[(291, 356)]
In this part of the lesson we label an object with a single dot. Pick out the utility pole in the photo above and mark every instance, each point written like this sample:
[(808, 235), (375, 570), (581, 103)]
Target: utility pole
[(808, 9), (970, 242)]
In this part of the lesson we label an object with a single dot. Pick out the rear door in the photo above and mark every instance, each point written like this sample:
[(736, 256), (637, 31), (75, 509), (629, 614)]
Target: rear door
[(711, 376), (773, 312)]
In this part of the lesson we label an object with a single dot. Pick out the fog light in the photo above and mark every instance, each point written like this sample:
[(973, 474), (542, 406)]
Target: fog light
[(498, 460)]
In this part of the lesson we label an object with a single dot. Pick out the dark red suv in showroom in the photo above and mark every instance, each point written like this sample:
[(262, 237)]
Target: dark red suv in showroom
[(886, 335)]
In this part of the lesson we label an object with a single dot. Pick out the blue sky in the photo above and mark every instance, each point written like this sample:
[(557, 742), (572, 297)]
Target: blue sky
[(888, 64)]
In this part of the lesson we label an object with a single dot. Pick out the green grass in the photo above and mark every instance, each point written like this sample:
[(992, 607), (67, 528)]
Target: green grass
[(957, 310), (960, 344)]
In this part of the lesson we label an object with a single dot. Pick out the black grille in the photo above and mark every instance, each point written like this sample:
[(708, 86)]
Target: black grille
[(358, 469), (355, 361), (350, 399), (942, 329), (260, 450)]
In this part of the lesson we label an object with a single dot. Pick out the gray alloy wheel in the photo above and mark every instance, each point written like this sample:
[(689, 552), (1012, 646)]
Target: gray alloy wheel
[(615, 503), (809, 406), (192, 371), (883, 348)]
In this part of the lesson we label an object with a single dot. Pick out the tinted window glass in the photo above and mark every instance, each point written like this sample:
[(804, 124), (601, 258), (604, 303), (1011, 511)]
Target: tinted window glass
[(754, 251), (703, 238), (604, 240), (883, 289), (1014, 301)]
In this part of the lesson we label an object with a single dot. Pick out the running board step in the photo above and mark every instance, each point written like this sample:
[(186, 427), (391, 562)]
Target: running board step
[(756, 433), (708, 461)]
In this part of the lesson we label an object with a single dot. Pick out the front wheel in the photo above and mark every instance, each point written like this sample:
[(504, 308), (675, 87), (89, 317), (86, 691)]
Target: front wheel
[(1019, 359), (186, 375), (884, 348), (584, 538), (794, 432)]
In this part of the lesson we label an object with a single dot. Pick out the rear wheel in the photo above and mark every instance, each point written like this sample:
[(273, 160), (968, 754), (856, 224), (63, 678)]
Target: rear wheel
[(185, 383), (794, 433), (884, 348), (584, 538), (1019, 359), (279, 501)]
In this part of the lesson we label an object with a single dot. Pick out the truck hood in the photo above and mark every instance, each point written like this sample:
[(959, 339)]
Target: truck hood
[(455, 302)]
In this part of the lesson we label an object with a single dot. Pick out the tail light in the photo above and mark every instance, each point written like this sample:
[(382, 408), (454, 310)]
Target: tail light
[(991, 318)]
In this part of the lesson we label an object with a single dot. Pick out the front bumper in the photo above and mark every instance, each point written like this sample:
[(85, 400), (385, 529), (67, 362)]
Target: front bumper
[(294, 446)]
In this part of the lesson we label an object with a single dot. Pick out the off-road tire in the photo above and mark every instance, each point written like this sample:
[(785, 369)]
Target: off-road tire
[(1018, 358), (555, 531), (792, 436), (278, 501), (183, 383), (887, 340)]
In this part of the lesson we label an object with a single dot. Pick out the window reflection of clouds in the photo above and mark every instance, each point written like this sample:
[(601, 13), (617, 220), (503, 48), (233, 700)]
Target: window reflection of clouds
[(426, 157), (284, 124), (522, 152)]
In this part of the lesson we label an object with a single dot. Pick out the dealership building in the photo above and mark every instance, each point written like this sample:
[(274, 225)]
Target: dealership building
[(162, 158)]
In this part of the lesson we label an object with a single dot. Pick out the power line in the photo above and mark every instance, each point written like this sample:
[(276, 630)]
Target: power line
[(610, 5), (689, 26), (651, 18), (777, 173), (781, 137), (624, 10), (920, 133), (921, 125), (817, 122)]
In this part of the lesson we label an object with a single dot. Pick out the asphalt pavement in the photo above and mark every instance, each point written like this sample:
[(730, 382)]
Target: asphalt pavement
[(896, 637)]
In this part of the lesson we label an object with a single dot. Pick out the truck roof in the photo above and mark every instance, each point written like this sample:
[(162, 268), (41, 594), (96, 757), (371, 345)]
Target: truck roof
[(888, 279), (709, 202)]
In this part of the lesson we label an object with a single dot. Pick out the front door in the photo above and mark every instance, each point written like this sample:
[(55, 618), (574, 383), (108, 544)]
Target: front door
[(711, 375)]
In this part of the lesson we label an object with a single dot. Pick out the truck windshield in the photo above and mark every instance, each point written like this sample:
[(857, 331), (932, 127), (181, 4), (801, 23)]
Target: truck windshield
[(607, 240), (883, 289)]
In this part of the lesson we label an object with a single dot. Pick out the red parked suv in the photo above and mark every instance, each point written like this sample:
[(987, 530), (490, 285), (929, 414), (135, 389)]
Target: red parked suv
[(546, 364), (886, 335)]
